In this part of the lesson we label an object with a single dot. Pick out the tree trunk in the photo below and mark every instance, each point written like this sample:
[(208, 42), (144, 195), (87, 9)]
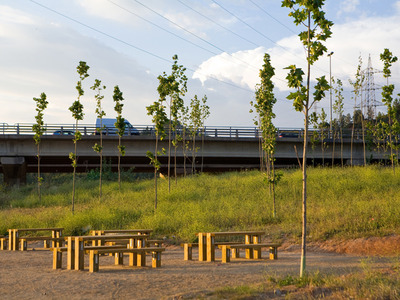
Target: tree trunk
[(155, 176), (119, 163), (39, 179)]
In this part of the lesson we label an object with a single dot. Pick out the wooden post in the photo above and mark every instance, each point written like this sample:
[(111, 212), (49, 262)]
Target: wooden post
[(132, 256), (141, 259), (119, 258), (210, 246), (70, 253), (15, 239), (93, 261), (57, 259), (187, 251), (226, 254), (273, 253), (249, 252), (3, 243), (257, 251), (79, 254), (202, 247), (10, 239), (141, 256), (156, 259), (24, 244), (235, 253)]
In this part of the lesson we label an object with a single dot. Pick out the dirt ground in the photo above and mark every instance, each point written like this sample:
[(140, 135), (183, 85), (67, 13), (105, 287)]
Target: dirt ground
[(29, 275)]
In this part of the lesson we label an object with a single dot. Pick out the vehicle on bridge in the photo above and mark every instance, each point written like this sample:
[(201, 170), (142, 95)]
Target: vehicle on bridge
[(110, 129), (64, 132)]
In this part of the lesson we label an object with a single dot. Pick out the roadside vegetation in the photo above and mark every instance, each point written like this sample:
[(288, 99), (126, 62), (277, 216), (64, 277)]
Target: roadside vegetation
[(344, 203)]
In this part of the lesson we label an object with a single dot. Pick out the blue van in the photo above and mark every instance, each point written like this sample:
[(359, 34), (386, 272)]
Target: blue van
[(109, 127)]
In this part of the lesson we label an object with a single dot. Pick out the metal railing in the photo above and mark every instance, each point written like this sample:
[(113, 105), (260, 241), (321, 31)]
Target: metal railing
[(146, 130)]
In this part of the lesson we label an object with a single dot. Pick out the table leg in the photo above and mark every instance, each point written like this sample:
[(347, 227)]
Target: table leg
[(210, 247), (10, 239), (15, 239), (257, 252), (249, 252), (79, 254), (202, 247), (70, 253)]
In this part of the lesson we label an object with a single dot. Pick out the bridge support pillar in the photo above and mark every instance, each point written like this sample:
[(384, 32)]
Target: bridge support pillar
[(14, 170)]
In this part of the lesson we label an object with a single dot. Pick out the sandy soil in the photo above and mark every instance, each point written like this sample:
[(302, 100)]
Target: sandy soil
[(29, 275)]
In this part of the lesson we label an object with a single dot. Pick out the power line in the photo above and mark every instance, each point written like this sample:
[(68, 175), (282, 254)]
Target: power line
[(271, 16), (162, 28), (133, 46), (216, 23)]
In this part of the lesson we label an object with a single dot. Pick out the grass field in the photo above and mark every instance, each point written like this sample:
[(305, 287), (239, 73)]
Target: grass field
[(344, 203)]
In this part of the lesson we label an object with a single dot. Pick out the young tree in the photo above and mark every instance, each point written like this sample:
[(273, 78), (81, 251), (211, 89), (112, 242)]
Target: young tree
[(265, 100), (387, 98), (157, 111), (357, 85), (338, 108), (120, 126), (39, 129), (317, 30), (174, 86), (100, 114), (199, 111), (323, 128), (205, 113), (77, 112)]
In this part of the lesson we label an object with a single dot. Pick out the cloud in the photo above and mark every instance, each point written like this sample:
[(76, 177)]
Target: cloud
[(48, 65), (348, 6)]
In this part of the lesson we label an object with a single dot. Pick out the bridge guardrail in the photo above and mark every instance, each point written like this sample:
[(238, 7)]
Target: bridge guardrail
[(208, 131)]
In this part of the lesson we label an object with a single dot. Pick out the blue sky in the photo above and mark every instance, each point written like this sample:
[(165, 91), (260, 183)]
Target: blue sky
[(220, 42)]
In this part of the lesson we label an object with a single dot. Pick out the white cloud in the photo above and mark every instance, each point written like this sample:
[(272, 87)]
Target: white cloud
[(348, 6)]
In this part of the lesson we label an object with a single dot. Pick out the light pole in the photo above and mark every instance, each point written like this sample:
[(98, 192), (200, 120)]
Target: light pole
[(330, 91)]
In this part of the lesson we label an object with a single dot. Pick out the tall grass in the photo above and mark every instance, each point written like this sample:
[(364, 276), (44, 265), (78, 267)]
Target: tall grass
[(346, 203)]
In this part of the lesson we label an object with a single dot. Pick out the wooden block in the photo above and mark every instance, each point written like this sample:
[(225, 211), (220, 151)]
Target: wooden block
[(249, 252), (156, 259), (210, 240), (132, 259), (3, 243), (202, 247), (70, 253), (257, 253), (57, 259), (93, 261), (273, 253), (187, 251), (10, 239), (226, 254), (141, 259), (235, 253), (15, 242), (79, 254), (24, 244), (119, 258)]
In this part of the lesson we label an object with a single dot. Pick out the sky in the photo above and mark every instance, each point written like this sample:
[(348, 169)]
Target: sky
[(221, 43)]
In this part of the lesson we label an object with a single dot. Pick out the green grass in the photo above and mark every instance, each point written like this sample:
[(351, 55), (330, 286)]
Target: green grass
[(368, 283), (342, 203)]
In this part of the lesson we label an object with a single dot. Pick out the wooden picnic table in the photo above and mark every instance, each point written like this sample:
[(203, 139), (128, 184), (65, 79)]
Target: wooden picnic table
[(121, 231), (76, 246), (14, 235), (207, 242)]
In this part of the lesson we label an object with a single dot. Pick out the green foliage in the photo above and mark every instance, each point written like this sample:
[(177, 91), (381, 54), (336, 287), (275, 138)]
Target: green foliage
[(343, 203), (38, 128)]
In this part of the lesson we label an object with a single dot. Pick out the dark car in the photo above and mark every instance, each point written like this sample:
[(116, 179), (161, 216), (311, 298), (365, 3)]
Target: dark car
[(64, 132), (288, 135)]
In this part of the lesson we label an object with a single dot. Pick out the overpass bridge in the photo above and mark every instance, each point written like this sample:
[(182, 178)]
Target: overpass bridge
[(221, 148)]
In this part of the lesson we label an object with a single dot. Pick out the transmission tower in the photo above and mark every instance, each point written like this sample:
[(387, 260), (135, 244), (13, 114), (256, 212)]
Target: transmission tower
[(368, 108)]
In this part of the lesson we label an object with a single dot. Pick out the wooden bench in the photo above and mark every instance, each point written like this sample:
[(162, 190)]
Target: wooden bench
[(14, 236), (3, 242), (155, 251), (23, 241), (226, 250), (188, 248), (77, 245), (207, 242), (57, 253)]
